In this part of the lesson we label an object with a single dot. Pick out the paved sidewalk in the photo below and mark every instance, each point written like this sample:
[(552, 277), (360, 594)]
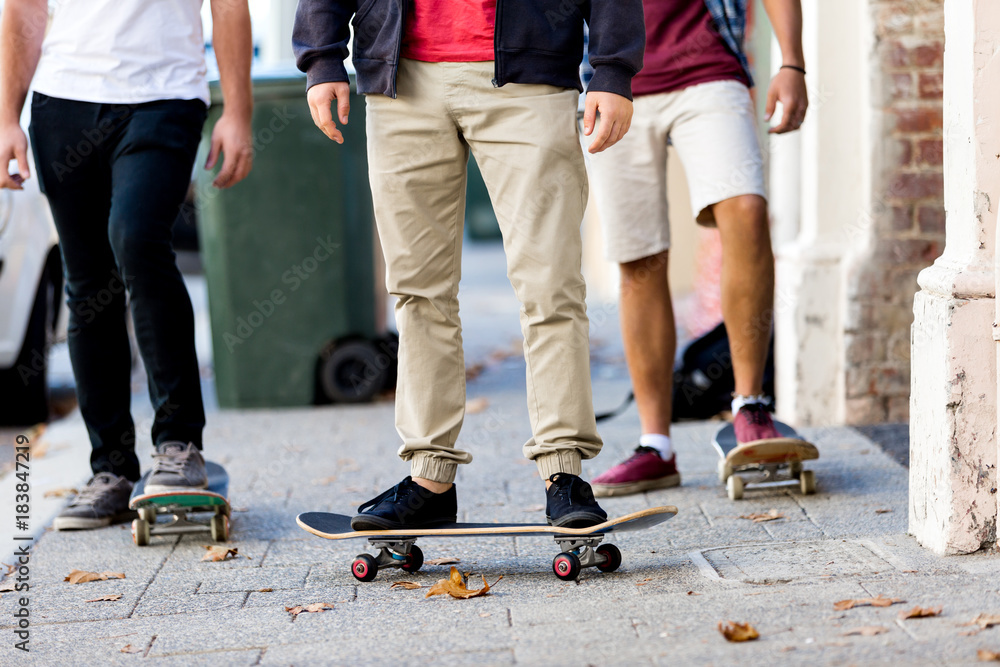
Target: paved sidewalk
[(677, 581)]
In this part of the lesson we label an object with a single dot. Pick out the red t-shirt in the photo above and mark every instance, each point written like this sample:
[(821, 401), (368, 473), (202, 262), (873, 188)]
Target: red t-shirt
[(683, 48), (450, 31)]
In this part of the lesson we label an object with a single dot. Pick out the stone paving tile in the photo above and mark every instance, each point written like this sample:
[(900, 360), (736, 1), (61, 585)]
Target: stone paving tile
[(207, 659), (226, 629), (184, 604), (187, 555), (65, 602), (252, 579), (335, 595)]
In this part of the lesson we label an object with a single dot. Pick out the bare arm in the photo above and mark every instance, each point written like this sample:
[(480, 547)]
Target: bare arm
[(22, 28), (789, 85), (233, 42)]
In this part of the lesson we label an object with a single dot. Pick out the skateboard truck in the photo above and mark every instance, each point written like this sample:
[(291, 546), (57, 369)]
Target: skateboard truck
[(577, 553), (766, 476)]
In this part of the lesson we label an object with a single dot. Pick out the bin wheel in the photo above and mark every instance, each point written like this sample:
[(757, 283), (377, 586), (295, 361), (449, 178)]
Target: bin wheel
[(353, 372)]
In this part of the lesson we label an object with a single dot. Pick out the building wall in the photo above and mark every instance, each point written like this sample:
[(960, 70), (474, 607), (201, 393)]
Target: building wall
[(904, 230)]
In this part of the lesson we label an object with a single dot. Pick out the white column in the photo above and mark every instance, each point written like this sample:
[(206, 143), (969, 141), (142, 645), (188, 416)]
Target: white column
[(834, 179), (953, 402), (276, 33)]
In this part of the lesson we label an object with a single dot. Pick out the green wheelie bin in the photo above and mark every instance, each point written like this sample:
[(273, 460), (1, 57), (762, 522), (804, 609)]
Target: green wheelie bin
[(297, 313)]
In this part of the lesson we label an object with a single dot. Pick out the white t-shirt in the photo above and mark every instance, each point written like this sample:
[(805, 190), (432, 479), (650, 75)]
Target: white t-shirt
[(124, 51)]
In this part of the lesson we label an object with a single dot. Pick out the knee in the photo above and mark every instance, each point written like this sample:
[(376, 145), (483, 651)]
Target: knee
[(644, 271), (133, 249)]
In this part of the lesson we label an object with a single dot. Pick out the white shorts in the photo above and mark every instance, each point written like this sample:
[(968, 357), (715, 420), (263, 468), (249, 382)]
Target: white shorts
[(714, 129)]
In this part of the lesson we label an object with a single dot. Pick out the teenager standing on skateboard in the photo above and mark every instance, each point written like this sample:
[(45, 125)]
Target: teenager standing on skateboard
[(119, 103), (694, 91), (499, 78)]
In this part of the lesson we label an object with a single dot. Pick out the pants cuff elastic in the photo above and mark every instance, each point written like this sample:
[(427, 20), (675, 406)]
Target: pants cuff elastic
[(433, 468), (566, 460)]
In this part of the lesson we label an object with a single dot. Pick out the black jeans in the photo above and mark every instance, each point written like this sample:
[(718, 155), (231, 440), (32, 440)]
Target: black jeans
[(115, 176)]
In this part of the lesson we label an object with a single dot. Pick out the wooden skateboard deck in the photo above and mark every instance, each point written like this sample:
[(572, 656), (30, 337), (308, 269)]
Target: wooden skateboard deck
[(397, 548), (772, 463), (178, 503)]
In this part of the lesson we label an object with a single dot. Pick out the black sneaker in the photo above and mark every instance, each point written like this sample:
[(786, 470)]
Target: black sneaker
[(103, 500), (407, 505), (176, 465), (570, 503)]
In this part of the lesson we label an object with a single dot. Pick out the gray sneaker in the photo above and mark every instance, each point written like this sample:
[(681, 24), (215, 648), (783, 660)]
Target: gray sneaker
[(176, 465), (103, 500)]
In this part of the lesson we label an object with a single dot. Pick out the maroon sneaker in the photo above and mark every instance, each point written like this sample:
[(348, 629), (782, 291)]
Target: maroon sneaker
[(642, 471), (753, 423)]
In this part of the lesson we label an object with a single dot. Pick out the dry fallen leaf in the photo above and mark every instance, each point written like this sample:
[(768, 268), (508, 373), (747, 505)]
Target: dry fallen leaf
[(265, 590), (473, 371), (738, 632), (477, 405), (455, 586), (309, 608), (920, 612), (82, 576), (128, 648), (877, 601), (216, 553), (441, 561), (867, 631), (112, 597), (7, 587), (323, 481), (985, 620), (60, 492), (408, 585), (693, 593), (8, 569), (985, 655), (760, 517), (882, 511)]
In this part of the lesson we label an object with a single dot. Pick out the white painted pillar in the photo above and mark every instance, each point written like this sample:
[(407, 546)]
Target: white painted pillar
[(276, 33), (834, 175), (953, 402)]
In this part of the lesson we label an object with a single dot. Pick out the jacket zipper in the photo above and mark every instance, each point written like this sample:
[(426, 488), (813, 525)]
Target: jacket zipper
[(496, 46), (399, 44)]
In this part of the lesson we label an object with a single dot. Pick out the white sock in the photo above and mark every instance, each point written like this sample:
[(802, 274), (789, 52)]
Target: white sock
[(739, 401), (659, 442)]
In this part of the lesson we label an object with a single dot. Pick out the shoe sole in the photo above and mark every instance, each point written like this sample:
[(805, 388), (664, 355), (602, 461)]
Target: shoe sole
[(377, 523), (152, 489), (85, 523), (577, 520), (630, 488)]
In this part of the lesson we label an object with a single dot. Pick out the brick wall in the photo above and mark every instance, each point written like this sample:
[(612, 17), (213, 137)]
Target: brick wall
[(904, 230)]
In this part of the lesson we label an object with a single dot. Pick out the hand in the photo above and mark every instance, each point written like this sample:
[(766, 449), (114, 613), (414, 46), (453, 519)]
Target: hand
[(788, 87), (231, 138), (13, 146), (321, 97), (616, 117)]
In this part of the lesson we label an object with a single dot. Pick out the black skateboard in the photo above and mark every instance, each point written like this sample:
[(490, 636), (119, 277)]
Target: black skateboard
[(581, 547)]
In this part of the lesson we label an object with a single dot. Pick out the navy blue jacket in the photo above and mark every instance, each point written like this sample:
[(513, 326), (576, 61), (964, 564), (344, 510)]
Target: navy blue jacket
[(536, 41)]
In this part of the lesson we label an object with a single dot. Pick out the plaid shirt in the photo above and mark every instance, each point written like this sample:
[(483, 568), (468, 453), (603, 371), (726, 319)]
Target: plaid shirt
[(730, 18)]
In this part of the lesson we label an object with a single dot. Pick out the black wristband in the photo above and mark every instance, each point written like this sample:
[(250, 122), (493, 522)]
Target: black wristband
[(794, 67)]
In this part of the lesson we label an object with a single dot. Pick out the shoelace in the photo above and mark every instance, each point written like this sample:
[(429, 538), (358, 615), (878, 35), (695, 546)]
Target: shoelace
[(380, 497), (563, 488), (169, 463), (90, 493), (756, 414)]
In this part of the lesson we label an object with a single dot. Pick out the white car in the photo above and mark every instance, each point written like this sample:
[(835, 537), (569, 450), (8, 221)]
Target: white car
[(31, 298)]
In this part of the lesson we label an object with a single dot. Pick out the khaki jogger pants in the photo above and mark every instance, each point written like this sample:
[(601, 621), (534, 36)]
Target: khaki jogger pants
[(524, 138)]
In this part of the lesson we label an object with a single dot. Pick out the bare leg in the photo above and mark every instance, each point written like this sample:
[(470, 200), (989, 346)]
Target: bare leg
[(650, 338), (747, 286)]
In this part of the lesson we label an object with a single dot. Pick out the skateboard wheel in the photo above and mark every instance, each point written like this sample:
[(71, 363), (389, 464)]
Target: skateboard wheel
[(566, 566), (414, 560), (734, 487), (220, 527), (807, 482), (148, 514), (613, 556), (140, 532), (725, 472), (364, 567)]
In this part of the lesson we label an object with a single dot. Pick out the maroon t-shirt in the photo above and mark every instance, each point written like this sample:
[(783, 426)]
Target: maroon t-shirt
[(683, 48)]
